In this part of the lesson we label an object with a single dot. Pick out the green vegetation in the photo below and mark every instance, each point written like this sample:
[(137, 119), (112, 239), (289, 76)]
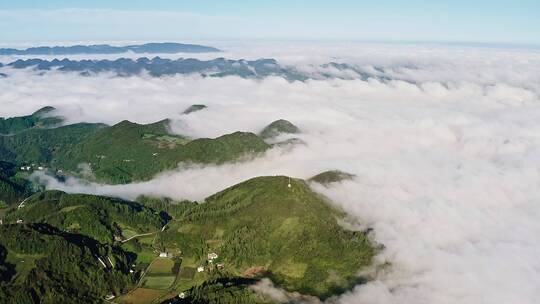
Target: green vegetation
[(39, 119), (41, 264), (194, 108), (278, 127), (333, 176), (259, 228), (44, 146), (78, 248), (141, 296), (262, 227), (122, 153), (13, 189), (168, 206), (161, 265), (129, 152), (102, 218), (223, 290), (158, 282)]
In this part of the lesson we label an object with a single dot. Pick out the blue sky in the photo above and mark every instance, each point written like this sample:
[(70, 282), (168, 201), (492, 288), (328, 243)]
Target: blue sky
[(500, 21)]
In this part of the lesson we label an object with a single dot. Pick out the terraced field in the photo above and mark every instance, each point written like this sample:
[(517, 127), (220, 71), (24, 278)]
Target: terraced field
[(160, 274)]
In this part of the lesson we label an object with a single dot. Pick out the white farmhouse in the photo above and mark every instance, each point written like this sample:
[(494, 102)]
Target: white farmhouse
[(200, 269), (212, 256), (163, 255)]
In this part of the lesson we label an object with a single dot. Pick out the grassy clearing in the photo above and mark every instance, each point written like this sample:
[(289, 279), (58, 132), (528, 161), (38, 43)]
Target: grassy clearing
[(292, 269), (128, 233), (187, 273), (141, 296), (25, 263), (158, 282), (144, 254), (148, 240), (161, 266)]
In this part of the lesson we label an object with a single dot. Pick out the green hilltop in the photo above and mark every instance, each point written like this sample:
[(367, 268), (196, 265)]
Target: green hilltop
[(104, 219), (129, 152), (278, 127), (125, 152), (42, 118), (333, 176), (44, 146), (263, 226)]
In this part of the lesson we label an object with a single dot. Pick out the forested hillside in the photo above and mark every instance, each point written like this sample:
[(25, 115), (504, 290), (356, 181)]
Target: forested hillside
[(102, 218), (42, 264)]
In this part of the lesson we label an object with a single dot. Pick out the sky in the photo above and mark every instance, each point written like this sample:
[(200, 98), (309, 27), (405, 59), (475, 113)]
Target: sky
[(495, 21)]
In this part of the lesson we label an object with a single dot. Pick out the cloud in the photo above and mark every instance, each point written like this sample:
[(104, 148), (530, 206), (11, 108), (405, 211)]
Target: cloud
[(447, 158)]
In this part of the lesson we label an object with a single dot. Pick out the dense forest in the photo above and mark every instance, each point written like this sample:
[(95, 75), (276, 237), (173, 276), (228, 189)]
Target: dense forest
[(43, 118), (46, 265), (13, 188), (281, 225), (102, 218), (35, 141)]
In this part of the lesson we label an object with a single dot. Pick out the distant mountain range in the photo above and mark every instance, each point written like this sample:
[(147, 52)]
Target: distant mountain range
[(151, 48), (219, 67)]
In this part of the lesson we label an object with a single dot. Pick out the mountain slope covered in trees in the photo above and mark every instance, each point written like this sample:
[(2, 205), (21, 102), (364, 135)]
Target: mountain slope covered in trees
[(42, 264), (265, 228), (102, 218), (125, 152), (42, 118)]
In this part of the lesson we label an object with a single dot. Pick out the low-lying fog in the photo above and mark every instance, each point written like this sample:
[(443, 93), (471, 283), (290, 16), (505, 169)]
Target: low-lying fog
[(447, 164)]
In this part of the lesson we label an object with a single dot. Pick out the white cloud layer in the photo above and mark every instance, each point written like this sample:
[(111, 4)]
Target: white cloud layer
[(448, 168)]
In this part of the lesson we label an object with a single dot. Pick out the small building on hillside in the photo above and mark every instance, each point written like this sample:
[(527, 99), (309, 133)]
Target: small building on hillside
[(163, 255), (200, 269), (212, 256)]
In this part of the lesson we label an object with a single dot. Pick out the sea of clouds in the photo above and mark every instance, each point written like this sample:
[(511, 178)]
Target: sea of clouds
[(447, 156)]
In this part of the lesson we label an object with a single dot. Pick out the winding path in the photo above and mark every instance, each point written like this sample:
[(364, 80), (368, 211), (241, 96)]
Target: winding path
[(138, 235)]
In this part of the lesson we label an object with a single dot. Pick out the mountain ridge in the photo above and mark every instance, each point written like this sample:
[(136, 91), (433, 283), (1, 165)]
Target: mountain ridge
[(152, 48)]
